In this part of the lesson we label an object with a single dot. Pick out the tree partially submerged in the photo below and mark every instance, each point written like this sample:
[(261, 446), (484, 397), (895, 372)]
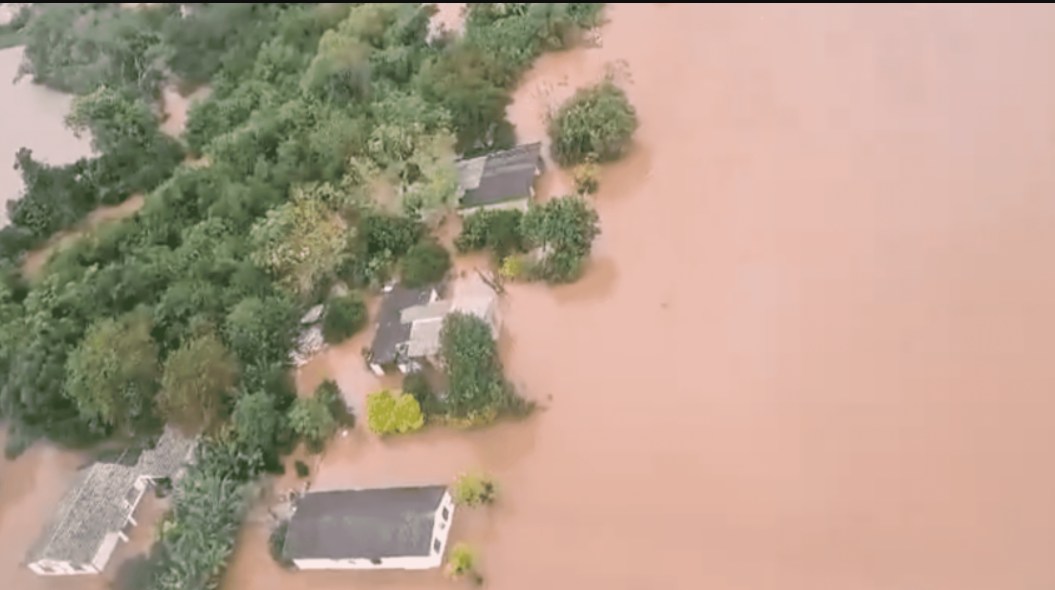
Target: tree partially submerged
[(597, 123), (475, 489), (344, 317), (563, 230), (477, 390)]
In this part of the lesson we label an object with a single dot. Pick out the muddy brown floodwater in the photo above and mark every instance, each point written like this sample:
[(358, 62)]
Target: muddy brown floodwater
[(813, 349)]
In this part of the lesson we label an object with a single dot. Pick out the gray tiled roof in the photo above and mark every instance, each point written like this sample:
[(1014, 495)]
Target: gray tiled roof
[(499, 176), (95, 505), (392, 334), (364, 524)]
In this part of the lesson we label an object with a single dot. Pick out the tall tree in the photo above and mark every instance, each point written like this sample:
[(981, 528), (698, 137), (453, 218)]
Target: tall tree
[(196, 381), (112, 375)]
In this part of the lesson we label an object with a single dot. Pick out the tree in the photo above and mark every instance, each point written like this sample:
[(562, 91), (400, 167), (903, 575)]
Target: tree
[(477, 389), (426, 262), (196, 381), (256, 421), (311, 418), (112, 375), (475, 489), (388, 414), (261, 330), (497, 230), (587, 177), (344, 316), (564, 230), (598, 122), (301, 241)]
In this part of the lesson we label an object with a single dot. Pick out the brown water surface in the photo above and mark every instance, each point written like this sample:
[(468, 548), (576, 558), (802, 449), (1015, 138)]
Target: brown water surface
[(813, 347)]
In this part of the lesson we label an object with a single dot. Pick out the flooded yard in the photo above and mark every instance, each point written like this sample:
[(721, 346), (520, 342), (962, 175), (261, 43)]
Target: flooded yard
[(812, 348)]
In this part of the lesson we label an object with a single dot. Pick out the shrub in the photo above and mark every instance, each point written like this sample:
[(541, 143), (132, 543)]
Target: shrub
[(475, 489), (597, 122), (388, 414), (425, 263), (330, 395), (587, 177), (497, 230), (344, 317), (311, 418), (302, 468), (515, 267), (277, 542), (477, 389), (462, 563)]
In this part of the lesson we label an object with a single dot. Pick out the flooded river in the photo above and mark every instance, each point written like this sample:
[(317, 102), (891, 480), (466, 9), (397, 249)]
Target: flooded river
[(810, 352), (31, 116)]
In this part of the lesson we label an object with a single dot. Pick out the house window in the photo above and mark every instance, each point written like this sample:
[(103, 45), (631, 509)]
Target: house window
[(436, 546), (446, 514), (376, 561)]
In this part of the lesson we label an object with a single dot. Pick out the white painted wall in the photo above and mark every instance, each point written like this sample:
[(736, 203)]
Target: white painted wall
[(47, 567)]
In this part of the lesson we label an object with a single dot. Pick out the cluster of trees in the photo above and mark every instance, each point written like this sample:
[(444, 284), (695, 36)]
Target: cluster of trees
[(560, 232), (475, 489), (327, 137), (595, 125), (393, 414)]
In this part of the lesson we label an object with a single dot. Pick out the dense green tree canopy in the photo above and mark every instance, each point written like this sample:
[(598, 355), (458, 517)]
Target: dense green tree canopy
[(196, 381), (564, 230), (597, 123), (112, 374)]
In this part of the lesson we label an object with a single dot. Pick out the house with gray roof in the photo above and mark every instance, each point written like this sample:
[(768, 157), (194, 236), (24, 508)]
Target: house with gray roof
[(499, 180), (408, 332), (95, 513), (383, 528)]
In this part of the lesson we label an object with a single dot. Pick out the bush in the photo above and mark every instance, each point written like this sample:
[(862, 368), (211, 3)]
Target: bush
[(302, 468), (425, 263), (587, 178), (497, 230), (462, 563), (344, 317), (277, 541), (598, 122), (388, 414), (475, 489), (329, 394), (312, 419)]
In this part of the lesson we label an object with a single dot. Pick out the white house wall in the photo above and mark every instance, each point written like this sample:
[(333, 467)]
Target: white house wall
[(441, 529), (106, 551), (46, 567), (521, 204), (391, 563)]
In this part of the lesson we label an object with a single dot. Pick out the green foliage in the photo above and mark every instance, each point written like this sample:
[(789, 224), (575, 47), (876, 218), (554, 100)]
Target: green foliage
[(477, 389), (462, 563), (497, 230), (329, 393), (587, 178), (260, 330), (564, 230), (277, 539), (426, 262), (256, 421), (112, 374), (312, 418), (196, 382), (475, 489), (597, 123), (302, 468), (344, 316), (301, 241), (417, 385), (389, 414), (211, 502)]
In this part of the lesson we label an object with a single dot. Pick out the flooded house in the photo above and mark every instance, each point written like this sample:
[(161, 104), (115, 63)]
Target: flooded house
[(410, 322), (499, 180), (100, 506), (381, 528)]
